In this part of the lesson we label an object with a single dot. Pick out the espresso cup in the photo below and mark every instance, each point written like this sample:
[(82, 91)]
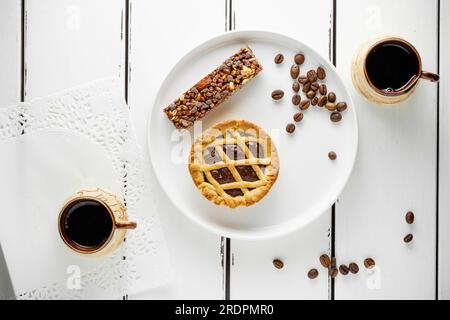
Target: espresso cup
[(93, 222), (386, 70)]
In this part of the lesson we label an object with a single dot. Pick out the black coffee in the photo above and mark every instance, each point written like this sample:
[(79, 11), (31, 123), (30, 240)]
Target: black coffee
[(87, 223), (392, 66)]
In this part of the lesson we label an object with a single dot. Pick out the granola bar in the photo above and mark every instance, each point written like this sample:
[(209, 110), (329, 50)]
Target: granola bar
[(213, 89)]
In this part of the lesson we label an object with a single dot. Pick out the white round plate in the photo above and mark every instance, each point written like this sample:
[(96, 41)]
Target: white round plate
[(308, 182)]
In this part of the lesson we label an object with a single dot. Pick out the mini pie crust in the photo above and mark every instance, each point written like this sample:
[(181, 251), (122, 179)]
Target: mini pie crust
[(229, 133)]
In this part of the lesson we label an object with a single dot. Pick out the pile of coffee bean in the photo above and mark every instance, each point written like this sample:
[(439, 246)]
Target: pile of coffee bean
[(409, 217), (313, 87), (333, 271)]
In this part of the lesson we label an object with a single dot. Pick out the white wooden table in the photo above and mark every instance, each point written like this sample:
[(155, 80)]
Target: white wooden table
[(404, 152)]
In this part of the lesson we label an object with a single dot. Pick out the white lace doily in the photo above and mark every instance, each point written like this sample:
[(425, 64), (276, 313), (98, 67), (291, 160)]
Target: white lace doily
[(98, 113)]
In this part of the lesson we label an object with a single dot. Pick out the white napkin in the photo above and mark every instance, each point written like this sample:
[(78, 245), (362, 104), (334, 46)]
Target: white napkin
[(51, 148)]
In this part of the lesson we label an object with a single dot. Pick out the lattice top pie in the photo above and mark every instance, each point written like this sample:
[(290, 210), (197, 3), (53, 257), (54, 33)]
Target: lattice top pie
[(234, 163)]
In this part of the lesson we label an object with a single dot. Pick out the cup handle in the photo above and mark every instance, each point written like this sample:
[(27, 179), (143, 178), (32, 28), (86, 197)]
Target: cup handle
[(126, 225), (433, 77)]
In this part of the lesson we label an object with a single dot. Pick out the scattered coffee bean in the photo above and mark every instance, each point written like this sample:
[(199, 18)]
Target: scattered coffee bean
[(330, 106), (277, 94), (341, 106), (303, 79), (298, 117), (323, 89), (335, 116), (332, 97), (313, 273), (314, 86), (333, 272), (315, 101), (277, 263), (332, 155), (343, 269), (310, 94), (295, 71), (333, 262), (321, 74), (322, 101), (353, 267), (304, 104), (312, 75), (369, 263), (279, 58), (290, 128), (296, 99), (296, 86), (325, 260), (306, 87), (409, 217), (299, 58), (408, 238)]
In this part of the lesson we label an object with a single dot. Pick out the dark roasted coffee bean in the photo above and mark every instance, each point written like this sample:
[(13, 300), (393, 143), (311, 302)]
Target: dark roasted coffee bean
[(332, 155), (278, 58), (290, 128), (313, 273), (314, 86), (277, 263), (321, 74), (330, 106), (325, 260), (304, 104), (277, 94), (303, 79), (333, 262), (332, 97), (296, 86), (296, 99), (299, 58), (312, 75), (314, 101), (369, 263), (298, 117), (322, 101), (408, 238), (353, 268), (341, 106), (343, 269), (323, 89), (335, 116), (295, 71), (409, 217), (306, 87), (333, 272), (310, 94)]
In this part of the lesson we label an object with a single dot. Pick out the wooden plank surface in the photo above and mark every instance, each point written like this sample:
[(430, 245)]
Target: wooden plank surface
[(396, 166), (252, 273), (160, 35)]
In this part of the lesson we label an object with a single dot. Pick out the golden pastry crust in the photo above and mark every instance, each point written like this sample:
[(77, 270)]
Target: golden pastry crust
[(238, 133)]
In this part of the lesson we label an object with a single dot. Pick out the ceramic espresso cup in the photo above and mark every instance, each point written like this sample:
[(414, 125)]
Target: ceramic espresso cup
[(387, 69), (93, 222)]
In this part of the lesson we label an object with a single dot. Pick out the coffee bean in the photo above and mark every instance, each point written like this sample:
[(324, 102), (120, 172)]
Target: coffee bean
[(341, 106), (333, 262), (295, 71), (304, 104), (325, 260), (313, 273), (408, 238), (335, 116), (299, 58), (298, 117), (277, 263), (279, 58), (290, 128), (409, 217), (323, 89), (333, 272), (277, 94), (314, 86), (303, 79), (322, 101), (314, 101), (330, 106), (332, 97), (369, 263), (312, 75), (321, 74), (343, 269), (296, 86), (306, 87), (332, 155), (296, 99), (353, 268), (310, 94)]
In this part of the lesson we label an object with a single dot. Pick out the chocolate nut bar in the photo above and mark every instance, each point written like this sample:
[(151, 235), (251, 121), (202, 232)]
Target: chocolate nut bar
[(213, 89)]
